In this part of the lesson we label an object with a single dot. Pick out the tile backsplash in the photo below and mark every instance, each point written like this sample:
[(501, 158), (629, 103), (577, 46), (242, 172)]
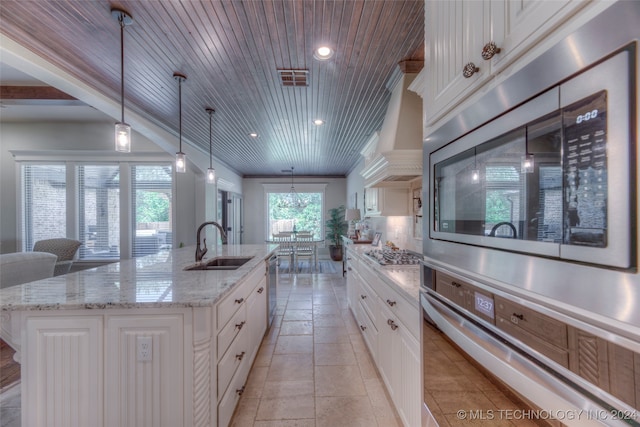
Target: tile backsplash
[(398, 229)]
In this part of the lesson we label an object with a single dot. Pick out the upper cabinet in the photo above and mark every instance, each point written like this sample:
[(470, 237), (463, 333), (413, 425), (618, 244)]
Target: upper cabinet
[(470, 41)]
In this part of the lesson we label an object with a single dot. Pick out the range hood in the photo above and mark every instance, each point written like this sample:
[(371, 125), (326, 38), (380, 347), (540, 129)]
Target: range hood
[(393, 156)]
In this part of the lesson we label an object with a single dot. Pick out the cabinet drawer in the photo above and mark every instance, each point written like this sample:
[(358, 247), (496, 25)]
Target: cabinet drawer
[(406, 312), (226, 308), (367, 298), (540, 325), (451, 288), (368, 329), (558, 355), (228, 365), (229, 332), (230, 399)]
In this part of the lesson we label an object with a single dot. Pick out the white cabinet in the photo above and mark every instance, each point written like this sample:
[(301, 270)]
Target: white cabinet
[(242, 322), (144, 390), (459, 36), (390, 325), (62, 365), (387, 201)]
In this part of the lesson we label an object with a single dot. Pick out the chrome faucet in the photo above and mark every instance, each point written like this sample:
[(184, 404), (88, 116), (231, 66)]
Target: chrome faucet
[(200, 252)]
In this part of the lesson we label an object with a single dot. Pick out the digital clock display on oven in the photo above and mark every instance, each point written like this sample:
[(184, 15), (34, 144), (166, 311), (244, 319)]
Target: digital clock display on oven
[(484, 304)]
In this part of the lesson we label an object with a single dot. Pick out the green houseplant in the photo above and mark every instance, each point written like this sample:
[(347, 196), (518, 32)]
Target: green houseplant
[(335, 226)]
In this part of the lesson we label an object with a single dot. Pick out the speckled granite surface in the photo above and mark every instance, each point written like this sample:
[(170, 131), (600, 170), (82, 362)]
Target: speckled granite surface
[(152, 281), (405, 278)]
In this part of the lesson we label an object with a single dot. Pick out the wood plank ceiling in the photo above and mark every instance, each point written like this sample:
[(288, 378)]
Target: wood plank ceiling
[(231, 52)]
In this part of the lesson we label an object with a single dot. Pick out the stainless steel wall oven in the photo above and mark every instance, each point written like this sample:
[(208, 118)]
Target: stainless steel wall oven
[(531, 246)]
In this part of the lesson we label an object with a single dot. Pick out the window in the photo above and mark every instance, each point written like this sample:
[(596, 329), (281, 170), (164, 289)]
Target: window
[(99, 211), (283, 217), (44, 206), (151, 190)]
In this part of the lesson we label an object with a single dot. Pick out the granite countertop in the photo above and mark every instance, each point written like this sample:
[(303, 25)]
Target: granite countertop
[(148, 282), (403, 278)]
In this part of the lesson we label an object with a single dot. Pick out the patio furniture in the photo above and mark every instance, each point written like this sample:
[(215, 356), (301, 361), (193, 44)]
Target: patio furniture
[(64, 249)]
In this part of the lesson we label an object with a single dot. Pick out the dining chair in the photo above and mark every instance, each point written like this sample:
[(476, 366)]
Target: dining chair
[(305, 248), (285, 249)]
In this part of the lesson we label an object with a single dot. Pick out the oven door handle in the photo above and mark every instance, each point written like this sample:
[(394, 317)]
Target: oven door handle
[(556, 397)]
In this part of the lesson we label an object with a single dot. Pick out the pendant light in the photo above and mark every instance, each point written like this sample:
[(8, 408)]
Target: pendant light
[(292, 200), (181, 159), (211, 172), (123, 130)]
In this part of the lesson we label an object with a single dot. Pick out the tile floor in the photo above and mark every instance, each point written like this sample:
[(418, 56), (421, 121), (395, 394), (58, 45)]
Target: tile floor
[(313, 368)]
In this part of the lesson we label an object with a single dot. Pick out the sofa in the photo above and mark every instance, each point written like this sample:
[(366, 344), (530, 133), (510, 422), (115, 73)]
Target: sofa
[(24, 267)]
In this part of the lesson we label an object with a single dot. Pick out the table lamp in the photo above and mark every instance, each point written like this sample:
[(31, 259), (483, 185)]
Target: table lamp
[(351, 216)]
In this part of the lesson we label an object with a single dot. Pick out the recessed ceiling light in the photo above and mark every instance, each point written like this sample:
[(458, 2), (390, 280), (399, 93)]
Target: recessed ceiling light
[(253, 135), (323, 53), (318, 122)]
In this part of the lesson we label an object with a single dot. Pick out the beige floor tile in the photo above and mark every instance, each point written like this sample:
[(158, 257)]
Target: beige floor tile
[(282, 408), (339, 381), (380, 401), (324, 299), (334, 354), (291, 367), (263, 358), (245, 412), (296, 327), (272, 334), (331, 309), (298, 315), (255, 382), (367, 367), (300, 305), (287, 344), (326, 335), (357, 341), (348, 411), (288, 388), (328, 320), (286, 423), (452, 401), (388, 422)]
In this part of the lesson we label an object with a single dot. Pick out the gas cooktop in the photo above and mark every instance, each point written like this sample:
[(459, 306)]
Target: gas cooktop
[(389, 257)]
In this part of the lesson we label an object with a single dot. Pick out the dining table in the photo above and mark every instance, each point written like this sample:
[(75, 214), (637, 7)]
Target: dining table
[(295, 244)]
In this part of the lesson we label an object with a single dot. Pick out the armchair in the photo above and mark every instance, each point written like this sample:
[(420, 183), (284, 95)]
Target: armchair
[(64, 249)]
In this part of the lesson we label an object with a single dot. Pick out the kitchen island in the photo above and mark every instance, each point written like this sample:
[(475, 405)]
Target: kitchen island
[(139, 342)]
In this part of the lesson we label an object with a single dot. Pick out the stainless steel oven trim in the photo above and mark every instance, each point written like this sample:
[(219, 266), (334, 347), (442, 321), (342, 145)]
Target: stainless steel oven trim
[(530, 379)]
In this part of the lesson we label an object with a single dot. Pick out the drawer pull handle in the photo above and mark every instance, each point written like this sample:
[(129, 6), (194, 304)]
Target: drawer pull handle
[(519, 316), (363, 296), (240, 325), (456, 284), (391, 303), (240, 356), (392, 324), (349, 268), (469, 70), (363, 327), (239, 301), (489, 50), (260, 290), (240, 391)]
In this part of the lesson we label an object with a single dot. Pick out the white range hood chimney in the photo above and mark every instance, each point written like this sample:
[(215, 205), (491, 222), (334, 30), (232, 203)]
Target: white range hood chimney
[(393, 156)]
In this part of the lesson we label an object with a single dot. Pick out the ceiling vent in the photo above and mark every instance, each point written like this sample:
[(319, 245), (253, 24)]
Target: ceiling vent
[(293, 78)]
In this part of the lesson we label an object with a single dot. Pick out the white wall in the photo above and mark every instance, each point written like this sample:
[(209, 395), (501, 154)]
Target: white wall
[(398, 229), (254, 201)]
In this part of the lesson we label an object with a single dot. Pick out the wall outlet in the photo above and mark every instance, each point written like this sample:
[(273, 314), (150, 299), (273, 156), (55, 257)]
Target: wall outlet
[(145, 349)]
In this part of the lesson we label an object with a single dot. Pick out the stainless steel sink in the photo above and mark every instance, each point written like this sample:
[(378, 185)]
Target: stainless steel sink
[(220, 263)]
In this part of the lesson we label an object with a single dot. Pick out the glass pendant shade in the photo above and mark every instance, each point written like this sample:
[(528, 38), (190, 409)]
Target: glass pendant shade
[(527, 163), (211, 176), (475, 176), (181, 163), (123, 138)]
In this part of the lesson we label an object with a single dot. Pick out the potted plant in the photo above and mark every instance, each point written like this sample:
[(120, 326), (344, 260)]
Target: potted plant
[(335, 226)]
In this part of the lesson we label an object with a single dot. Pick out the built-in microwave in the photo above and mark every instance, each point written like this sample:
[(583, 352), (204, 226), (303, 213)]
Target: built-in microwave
[(552, 177)]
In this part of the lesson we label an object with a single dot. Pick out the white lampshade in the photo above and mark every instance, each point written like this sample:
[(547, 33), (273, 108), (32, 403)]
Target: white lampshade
[(352, 215), (123, 137)]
